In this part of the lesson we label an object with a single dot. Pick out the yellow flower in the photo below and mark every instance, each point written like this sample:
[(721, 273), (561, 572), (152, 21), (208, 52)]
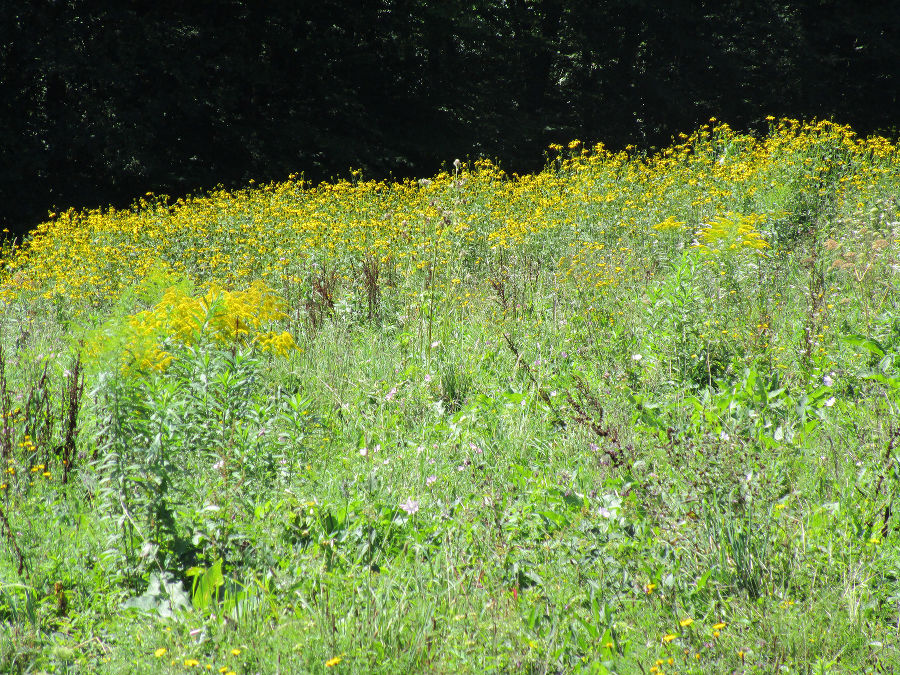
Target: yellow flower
[(331, 663), (159, 653), (235, 652), (190, 663), (684, 623), (719, 626), (669, 223), (668, 638), (649, 588)]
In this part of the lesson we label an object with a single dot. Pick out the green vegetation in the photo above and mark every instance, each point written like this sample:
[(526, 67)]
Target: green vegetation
[(632, 414)]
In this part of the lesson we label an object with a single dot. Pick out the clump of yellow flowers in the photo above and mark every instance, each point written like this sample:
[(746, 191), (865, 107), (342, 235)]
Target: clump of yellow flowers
[(730, 232), (670, 223), (229, 318)]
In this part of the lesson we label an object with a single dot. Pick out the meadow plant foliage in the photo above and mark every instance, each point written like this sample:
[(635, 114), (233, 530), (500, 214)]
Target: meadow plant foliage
[(634, 413)]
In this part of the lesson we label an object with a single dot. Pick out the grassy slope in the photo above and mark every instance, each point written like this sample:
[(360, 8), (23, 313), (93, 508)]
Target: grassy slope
[(618, 416)]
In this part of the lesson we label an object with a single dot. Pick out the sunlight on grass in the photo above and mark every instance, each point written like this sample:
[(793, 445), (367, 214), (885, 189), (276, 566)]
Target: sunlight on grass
[(634, 413)]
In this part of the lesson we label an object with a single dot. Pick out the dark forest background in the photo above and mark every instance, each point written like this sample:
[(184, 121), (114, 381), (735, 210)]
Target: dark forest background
[(101, 102)]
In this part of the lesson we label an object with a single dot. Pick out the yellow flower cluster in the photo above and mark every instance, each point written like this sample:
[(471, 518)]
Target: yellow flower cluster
[(226, 317), (730, 232), (669, 223)]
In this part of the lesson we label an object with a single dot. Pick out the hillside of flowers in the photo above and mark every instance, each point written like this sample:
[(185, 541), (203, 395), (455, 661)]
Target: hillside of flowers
[(637, 412)]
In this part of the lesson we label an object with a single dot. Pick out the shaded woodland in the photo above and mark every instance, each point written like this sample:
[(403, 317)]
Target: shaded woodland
[(101, 102)]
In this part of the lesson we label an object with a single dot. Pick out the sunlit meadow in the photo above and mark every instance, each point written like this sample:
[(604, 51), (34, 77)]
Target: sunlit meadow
[(637, 413)]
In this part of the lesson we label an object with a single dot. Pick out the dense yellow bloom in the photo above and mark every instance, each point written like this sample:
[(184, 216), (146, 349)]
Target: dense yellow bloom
[(226, 317), (669, 223), (732, 231), (604, 218)]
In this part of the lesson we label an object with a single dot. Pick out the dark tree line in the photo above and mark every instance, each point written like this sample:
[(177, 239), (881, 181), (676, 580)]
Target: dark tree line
[(103, 101)]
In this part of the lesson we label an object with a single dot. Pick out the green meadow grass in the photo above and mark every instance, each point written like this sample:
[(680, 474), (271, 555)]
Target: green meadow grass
[(629, 415)]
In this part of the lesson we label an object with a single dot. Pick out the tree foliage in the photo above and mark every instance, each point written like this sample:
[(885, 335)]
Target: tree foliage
[(100, 102)]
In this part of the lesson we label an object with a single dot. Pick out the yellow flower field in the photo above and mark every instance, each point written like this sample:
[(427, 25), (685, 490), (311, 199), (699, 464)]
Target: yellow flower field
[(602, 216)]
